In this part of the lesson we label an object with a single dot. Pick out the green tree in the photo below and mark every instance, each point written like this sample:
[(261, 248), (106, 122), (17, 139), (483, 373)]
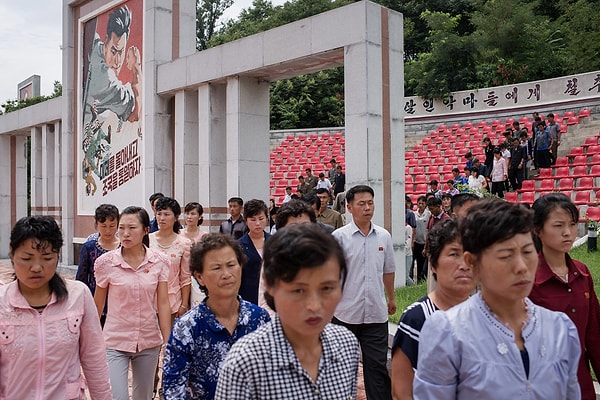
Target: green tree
[(448, 66), (14, 105), (579, 24), (514, 44), (208, 13)]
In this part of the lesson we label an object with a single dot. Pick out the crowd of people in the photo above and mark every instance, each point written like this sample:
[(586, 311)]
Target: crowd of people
[(283, 303), (506, 165)]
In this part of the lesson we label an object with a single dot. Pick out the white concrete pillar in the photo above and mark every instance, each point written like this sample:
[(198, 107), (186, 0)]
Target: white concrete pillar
[(212, 153), (248, 138), (6, 173), (374, 93), (36, 171), (19, 163), (46, 161), (185, 144)]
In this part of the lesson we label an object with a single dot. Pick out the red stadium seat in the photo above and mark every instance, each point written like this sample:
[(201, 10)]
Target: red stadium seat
[(593, 213), (575, 151), (584, 113), (565, 184), (546, 185), (579, 160), (582, 197), (593, 149), (561, 162), (579, 171), (585, 183), (527, 186), (511, 196), (561, 172), (527, 198), (595, 159)]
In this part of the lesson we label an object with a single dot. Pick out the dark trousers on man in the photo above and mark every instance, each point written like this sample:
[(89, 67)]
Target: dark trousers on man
[(373, 339), (421, 261), (515, 176)]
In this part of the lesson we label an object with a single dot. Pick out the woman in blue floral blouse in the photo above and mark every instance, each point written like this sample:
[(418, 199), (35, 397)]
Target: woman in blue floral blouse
[(202, 337)]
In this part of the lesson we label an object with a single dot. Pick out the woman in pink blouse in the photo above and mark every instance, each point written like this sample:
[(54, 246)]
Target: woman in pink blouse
[(193, 219), (49, 329), (138, 320), (177, 248)]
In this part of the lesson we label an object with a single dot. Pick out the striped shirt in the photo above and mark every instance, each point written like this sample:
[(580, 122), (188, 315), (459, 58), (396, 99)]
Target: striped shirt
[(409, 328)]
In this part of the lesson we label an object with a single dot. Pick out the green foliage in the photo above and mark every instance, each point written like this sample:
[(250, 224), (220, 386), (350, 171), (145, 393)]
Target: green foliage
[(449, 64), (308, 101), (208, 13), (14, 105)]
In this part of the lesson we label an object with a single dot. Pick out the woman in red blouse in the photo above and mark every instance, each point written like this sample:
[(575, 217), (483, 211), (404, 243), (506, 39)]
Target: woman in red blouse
[(564, 284)]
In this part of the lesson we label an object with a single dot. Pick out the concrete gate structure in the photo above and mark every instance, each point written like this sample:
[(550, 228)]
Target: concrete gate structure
[(205, 121)]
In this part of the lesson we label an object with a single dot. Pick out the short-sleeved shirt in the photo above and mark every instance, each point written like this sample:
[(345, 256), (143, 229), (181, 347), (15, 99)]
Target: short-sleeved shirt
[(369, 258), (131, 320), (409, 328), (263, 365), (553, 131), (198, 346), (179, 266)]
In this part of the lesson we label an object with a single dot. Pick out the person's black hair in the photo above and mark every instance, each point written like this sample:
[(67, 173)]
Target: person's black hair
[(434, 201), (236, 200), (209, 242), (358, 189), (550, 115), (119, 22), (468, 154), (155, 196), (542, 208), (254, 207), (450, 182), (195, 206), (165, 203), (493, 221), (460, 199), (446, 196), (323, 190), (44, 232), (523, 133), (422, 198), (143, 217), (487, 139), (300, 177), (455, 169), (288, 187), (106, 211), (297, 247), (497, 150), (311, 199), (442, 234), (321, 175), (333, 161), (293, 208)]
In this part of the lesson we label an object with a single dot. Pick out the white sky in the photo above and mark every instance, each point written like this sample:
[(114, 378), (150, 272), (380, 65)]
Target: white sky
[(30, 40)]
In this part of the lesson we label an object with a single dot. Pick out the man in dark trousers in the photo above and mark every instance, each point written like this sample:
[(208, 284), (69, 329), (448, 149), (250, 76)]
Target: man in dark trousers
[(518, 159)]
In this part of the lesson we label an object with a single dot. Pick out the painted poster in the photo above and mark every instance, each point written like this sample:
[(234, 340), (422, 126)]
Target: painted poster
[(110, 122)]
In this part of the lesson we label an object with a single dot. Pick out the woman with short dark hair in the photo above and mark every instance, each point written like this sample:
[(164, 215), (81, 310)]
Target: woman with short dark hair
[(498, 344)]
